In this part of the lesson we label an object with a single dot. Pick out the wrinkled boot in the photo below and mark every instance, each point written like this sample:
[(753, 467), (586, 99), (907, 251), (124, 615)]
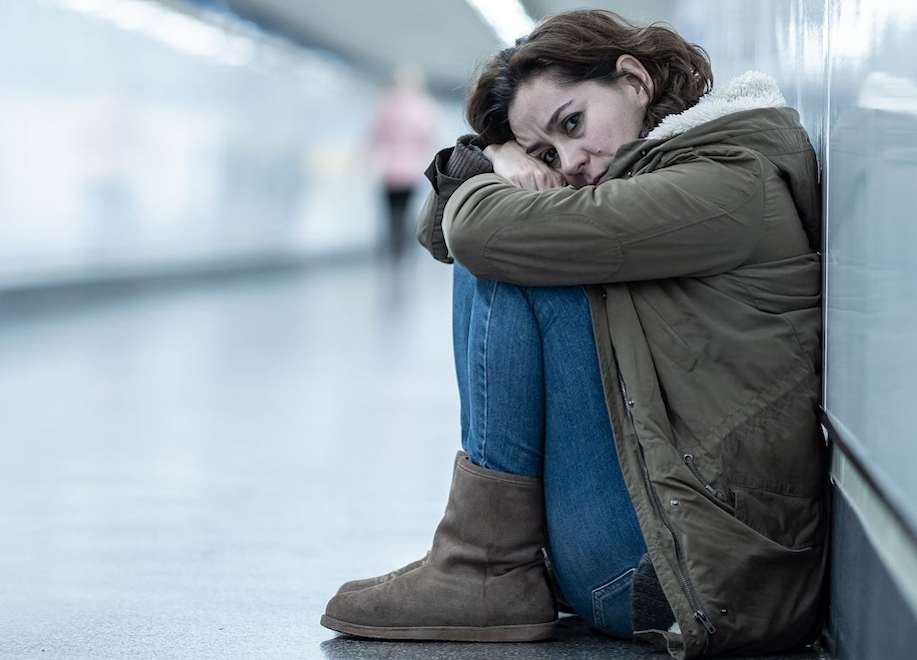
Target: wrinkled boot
[(484, 579), (356, 585)]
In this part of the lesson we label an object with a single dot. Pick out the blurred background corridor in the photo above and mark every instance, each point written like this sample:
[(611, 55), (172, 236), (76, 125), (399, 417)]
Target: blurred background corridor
[(226, 380)]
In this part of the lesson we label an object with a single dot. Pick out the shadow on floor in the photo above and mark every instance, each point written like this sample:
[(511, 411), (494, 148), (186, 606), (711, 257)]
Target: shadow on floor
[(574, 640)]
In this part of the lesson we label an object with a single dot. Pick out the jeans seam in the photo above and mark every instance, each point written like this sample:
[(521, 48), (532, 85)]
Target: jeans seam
[(486, 411)]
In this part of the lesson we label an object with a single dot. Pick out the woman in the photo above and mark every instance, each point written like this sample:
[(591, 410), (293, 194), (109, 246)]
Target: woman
[(402, 138), (637, 328)]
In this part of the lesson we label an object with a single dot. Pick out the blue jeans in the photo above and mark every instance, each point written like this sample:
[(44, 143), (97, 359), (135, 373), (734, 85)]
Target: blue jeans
[(532, 403)]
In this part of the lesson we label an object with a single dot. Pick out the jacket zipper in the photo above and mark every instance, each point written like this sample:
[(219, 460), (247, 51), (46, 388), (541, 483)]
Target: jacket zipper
[(699, 613), (716, 492)]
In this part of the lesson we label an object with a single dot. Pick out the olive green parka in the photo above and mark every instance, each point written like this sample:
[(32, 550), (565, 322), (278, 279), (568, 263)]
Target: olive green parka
[(700, 258)]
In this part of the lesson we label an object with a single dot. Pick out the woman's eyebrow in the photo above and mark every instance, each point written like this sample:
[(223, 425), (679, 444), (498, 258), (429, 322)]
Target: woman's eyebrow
[(555, 116)]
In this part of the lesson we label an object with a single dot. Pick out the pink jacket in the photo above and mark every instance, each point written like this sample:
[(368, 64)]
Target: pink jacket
[(403, 137)]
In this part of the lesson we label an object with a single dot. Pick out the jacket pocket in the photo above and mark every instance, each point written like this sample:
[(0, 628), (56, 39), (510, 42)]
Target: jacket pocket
[(660, 333), (691, 462), (793, 522), (718, 494), (611, 605)]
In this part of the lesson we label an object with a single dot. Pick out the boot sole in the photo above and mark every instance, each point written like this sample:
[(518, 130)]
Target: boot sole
[(521, 633)]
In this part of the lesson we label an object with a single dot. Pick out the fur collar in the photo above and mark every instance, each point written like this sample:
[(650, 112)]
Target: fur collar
[(749, 91)]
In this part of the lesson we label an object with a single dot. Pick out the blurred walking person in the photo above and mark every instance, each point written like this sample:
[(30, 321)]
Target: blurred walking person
[(402, 140)]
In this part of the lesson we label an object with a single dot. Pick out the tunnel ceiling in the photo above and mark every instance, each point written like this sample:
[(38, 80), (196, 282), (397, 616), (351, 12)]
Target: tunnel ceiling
[(445, 37)]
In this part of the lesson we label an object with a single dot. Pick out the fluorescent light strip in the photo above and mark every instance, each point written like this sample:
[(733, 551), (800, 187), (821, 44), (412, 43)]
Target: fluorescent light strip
[(182, 32), (508, 18)]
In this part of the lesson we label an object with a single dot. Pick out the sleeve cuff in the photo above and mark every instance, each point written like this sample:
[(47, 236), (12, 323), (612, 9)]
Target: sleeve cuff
[(467, 159)]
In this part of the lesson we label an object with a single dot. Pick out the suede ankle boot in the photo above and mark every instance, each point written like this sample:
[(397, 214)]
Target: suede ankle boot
[(484, 579), (356, 585)]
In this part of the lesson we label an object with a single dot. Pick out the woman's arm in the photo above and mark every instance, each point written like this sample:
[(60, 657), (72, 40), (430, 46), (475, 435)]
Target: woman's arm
[(700, 216), (452, 167), (449, 170)]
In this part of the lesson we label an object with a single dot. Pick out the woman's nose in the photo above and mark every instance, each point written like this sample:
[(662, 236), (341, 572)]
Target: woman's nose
[(572, 161)]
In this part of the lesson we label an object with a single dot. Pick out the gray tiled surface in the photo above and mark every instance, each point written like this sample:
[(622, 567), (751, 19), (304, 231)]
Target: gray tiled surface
[(191, 472)]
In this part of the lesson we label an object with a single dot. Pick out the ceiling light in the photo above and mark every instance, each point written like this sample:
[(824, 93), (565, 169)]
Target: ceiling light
[(508, 18), (183, 32)]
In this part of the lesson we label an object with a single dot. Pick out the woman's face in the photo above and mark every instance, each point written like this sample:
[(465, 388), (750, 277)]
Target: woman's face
[(578, 128)]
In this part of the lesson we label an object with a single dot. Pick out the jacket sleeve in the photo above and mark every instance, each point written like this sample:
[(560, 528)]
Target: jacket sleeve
[(698, 215), (449, 169)]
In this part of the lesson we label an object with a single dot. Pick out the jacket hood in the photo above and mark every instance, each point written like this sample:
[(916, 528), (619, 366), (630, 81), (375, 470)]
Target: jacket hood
[(751, 112), (750, 91)]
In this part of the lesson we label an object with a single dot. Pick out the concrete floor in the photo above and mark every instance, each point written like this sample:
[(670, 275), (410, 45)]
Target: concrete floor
[(191, 471)]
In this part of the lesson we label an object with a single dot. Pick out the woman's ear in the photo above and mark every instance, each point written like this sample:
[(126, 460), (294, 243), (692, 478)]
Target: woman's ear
[(639, 77)]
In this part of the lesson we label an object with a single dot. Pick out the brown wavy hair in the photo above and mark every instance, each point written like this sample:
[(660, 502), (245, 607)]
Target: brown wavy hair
[(580, 45)]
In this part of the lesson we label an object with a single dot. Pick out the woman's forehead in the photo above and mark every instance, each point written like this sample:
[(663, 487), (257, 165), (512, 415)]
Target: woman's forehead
[(536, 101)]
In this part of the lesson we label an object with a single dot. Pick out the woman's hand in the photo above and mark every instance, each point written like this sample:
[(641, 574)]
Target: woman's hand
[(512, 163)]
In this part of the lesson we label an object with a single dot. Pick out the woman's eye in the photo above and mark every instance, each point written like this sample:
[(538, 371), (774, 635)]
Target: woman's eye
[(571, 122), (549, 156)]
